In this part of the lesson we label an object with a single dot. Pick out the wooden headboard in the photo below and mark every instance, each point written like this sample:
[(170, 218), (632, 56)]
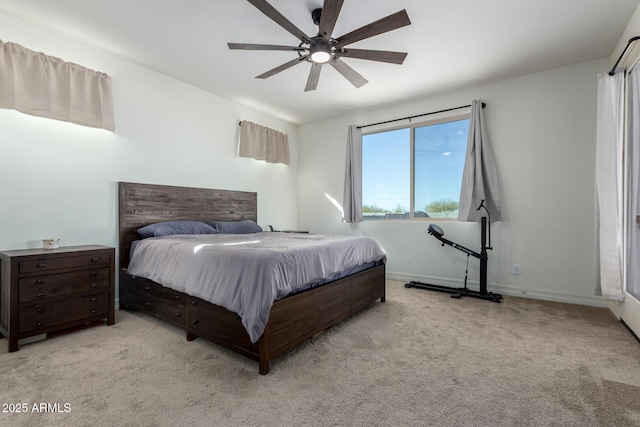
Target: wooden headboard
[(143, 204)]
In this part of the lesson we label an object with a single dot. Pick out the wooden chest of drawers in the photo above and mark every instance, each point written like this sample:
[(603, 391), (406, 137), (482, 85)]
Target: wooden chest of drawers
[(45, 290)]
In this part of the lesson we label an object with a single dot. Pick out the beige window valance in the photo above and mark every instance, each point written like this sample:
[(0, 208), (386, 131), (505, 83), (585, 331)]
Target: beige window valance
[(46, 86), (263, 143)]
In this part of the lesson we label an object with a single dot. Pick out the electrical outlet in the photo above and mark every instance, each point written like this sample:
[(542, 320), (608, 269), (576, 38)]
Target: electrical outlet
[(515, 269)]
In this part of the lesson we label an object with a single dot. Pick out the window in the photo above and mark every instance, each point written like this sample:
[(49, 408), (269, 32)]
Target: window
[(414, 171)]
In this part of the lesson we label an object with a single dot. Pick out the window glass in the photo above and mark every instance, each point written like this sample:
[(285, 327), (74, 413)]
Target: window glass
[(386, 174), (394, 187), (439, 155)]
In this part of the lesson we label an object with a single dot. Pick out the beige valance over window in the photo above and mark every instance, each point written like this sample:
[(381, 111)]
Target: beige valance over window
[(263, 143), (45, 86)]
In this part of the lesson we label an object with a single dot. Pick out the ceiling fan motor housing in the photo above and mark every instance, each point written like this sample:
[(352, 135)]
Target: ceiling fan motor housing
[(315, 15)]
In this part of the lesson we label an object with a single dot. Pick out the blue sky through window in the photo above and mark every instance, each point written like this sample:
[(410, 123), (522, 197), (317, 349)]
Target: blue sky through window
[(439, 160), (386, 178)]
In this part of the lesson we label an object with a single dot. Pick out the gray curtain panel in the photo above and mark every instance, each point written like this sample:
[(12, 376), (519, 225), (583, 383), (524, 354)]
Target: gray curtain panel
[(263, 143), (479, 176), (352, 197), (45, 86)]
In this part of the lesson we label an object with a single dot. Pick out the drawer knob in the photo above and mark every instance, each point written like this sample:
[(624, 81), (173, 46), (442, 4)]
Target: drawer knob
[(41, 265), (40, 281), (93, 285), (94, 259), (40, 295), (177, 296), (94, 273), (193, 322), (93, 311), (147, 304), (40, 324), (147, 288), (40, 309), (194, 302), (178, 314), (93, 299)]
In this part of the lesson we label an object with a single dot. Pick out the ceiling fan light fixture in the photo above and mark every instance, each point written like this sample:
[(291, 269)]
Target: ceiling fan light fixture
[(320, 53)]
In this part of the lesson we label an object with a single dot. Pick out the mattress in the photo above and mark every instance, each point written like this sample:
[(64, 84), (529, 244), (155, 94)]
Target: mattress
[(247, 273)]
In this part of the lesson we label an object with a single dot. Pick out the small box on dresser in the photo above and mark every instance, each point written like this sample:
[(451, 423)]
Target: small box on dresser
[(46, 290)]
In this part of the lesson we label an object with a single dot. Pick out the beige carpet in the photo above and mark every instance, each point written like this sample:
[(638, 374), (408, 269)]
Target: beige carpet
[(419, 359)]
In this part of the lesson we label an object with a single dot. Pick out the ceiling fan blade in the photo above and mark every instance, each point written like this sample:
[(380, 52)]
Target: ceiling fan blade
[(314, 76), (328, 17), (349, 73), (389, 23), (282, 67), (373, 55), (250, 46), (279, 19)]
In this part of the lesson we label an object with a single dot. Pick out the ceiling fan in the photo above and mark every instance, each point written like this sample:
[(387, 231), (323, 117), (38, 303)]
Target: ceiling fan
[(322, 48)]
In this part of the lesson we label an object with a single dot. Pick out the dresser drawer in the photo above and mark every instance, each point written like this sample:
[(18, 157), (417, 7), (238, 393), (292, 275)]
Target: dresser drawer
[(85, 307), (217, 323), (54, 285), (71, 262), (52, 314), (169, 307), (40, 316), (154, 297)]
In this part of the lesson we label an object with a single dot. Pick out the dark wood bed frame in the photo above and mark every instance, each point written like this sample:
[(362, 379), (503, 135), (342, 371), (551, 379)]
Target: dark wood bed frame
[(292, 321)]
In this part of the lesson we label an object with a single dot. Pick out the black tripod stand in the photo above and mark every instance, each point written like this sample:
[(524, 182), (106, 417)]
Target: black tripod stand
[(437, 232)]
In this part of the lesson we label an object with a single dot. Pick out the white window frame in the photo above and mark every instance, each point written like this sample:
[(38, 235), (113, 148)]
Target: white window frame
[(412, 126)]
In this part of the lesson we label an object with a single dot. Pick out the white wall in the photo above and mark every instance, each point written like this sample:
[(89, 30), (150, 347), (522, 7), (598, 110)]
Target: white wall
[(542, 130), (60, 180)]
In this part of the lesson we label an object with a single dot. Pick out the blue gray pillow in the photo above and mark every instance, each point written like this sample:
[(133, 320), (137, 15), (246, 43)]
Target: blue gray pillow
[(175, 227), (236, 227)]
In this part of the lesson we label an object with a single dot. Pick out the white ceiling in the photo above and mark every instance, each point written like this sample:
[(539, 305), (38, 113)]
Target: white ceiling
[(450, 44)]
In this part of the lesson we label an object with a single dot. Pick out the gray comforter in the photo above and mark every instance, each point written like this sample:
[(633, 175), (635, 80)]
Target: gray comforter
[(246, 273)]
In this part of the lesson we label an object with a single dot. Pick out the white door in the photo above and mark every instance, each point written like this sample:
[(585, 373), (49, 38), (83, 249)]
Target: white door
[(629, 309), (629, 312)]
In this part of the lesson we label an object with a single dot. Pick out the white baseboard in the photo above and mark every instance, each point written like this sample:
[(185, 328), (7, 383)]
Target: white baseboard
[(594, 301)]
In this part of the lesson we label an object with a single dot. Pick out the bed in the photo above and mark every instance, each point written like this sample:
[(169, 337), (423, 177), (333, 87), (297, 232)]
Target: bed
[(290, 320)]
